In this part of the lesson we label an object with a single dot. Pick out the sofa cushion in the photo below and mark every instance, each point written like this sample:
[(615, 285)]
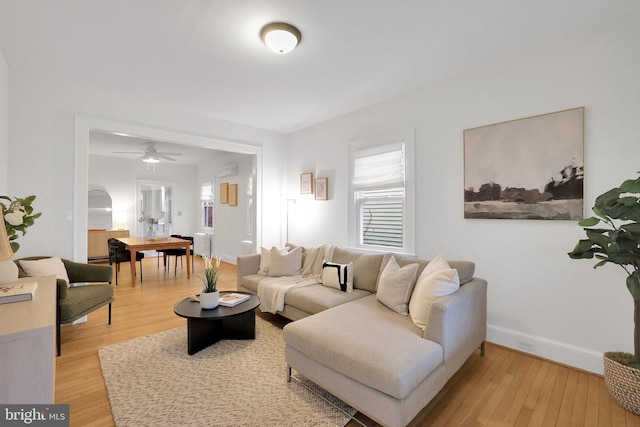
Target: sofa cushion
[(44, 267), (392, 357), (338, 276), (82, 300), (396, 285), (285, 263), (366, 267), (316, 298), (435, 281), (251, 282)]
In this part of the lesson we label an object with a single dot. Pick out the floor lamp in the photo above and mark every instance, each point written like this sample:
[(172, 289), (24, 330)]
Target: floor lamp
[(8, 268)]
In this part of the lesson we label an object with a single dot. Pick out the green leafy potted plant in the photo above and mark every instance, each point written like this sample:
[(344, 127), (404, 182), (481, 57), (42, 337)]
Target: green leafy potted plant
[(613, 236), (210, 296)]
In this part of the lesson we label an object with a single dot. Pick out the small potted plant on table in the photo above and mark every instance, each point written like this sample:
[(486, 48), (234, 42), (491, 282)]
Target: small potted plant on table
[(210, 296), (617, 240)]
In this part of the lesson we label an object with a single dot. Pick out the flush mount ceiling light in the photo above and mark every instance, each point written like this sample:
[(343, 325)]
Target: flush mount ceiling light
[(280, 37)]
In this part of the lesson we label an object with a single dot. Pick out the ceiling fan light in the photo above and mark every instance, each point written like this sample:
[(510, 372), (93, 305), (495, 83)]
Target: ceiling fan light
[(150, 158), (280, 37)]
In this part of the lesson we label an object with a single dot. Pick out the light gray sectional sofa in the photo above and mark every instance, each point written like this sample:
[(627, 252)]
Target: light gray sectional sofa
[(368, 355)]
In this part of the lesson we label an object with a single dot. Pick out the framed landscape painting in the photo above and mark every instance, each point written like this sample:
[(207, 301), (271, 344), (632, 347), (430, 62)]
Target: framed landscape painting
[(531, 168)]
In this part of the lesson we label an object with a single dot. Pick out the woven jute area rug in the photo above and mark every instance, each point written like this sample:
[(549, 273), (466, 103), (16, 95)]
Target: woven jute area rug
[(152, 381)]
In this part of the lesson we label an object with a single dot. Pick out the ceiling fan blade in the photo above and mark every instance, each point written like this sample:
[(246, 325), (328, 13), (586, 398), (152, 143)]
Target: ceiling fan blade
[(169, 154), (162, 156), (128, 152)]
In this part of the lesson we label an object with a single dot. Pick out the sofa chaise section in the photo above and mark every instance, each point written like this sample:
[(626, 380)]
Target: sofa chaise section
[(379, 362)]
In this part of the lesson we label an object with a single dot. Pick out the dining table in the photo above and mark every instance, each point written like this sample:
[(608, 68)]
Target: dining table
[(140, 244)]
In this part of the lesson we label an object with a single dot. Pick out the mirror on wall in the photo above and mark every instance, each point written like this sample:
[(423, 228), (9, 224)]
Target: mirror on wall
[(155, 201), (99, 210)]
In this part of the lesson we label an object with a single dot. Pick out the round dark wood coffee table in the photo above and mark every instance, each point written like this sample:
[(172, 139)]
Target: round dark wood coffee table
[(207, 327)]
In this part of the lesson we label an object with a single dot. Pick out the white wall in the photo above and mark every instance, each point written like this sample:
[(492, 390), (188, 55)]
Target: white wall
[(231, 223), (43, 117), (559, 308), (118, 177), (4, 123)]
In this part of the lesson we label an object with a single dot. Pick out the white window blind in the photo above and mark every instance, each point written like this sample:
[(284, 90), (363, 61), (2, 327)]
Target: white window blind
[(381, 216), (379, 167)]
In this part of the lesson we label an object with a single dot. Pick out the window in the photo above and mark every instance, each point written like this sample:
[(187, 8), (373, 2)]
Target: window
[(381, 211), (206, 198)]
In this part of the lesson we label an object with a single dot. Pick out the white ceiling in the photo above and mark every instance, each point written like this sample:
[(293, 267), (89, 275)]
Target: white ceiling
[(206, 56)]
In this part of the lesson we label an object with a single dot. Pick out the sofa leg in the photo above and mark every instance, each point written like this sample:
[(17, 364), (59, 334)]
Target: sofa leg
[(288, 373), (482, 349), (109, 313)]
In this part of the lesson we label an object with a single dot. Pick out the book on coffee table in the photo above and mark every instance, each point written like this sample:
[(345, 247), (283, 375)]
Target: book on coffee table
[(15, 292), (233, 299)]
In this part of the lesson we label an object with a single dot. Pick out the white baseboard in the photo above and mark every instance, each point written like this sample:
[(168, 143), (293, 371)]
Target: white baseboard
[(228, 259), (556, 351)]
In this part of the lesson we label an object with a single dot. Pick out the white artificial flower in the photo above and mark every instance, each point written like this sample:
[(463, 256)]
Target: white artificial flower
[(14, 218)]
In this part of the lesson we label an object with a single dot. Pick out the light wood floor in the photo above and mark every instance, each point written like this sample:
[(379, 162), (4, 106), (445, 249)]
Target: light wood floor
[(504, 388)]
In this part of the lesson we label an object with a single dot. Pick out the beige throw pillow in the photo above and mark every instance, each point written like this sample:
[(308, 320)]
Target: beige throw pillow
[(395, 286), (285, 263), (45, 267), (436, 280), (265, 259)]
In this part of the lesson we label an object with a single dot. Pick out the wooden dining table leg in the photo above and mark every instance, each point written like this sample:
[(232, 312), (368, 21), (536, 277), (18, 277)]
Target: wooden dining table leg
[(134, 256), (187, 252)]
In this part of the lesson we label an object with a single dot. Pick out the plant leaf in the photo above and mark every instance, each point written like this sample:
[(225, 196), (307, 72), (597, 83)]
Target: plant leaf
[(598, 238), (588, 222), (631, 186), (633, 284)]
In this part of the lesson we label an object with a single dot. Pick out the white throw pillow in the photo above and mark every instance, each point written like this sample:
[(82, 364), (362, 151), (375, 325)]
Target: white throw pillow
[(436, 280), (285, 263), (339, 276), (395, 286), (45, 267)]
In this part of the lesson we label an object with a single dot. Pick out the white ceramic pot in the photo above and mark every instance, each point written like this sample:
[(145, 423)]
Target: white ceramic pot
[(210, 299), (8, 272)]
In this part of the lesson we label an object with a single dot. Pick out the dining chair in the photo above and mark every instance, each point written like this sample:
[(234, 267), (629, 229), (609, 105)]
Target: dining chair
[(179, 252), (119, 253)]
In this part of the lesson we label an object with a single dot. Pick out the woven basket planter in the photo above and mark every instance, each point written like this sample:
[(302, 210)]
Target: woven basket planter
[(623, 383)]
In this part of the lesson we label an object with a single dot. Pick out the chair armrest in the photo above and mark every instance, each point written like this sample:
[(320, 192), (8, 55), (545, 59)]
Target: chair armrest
[(247, 265), (79, 272), (63, 287), (458, 322)]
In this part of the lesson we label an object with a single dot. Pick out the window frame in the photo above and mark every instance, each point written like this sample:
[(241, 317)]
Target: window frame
[(407, 138), (206, 202)]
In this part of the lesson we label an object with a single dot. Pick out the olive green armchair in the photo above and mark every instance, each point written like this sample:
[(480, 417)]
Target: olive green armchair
[(78, 301)]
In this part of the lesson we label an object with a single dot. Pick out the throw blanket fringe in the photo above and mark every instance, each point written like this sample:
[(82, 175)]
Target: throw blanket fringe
[(272, 290)]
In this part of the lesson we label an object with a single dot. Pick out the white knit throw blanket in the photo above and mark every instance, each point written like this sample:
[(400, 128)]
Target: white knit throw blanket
[(272, 290)]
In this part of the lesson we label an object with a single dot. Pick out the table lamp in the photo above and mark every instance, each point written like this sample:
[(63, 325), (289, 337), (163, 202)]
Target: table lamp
[(8, 268)]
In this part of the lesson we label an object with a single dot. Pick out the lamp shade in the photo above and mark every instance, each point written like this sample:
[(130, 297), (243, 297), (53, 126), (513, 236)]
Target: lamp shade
[(280, 37)]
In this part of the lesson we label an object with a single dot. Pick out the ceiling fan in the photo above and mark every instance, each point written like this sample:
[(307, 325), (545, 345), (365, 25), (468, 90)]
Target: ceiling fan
[(150, 154)]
